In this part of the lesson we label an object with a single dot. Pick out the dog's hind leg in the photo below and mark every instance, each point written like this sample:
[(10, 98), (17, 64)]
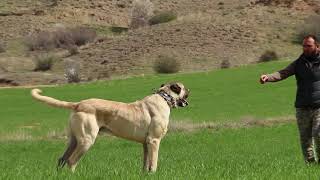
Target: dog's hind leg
[(71, 147), (85, 130)]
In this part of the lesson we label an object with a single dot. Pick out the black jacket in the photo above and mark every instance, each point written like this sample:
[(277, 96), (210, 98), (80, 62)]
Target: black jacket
[(307, 73)]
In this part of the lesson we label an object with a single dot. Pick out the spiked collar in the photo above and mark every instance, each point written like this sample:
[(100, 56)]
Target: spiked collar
[(170, 100)]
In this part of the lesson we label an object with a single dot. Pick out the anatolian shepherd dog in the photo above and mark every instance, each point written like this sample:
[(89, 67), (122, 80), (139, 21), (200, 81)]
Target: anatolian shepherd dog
[(144, 121)]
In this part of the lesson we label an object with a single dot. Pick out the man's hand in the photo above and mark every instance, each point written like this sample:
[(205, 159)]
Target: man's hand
[(263, 79)]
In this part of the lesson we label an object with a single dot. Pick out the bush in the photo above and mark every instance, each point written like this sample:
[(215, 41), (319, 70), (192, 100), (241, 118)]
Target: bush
[(142, 11), (53, 3), (285, 3), (72, 71), (73, 50), (82, 35), (2, 48), (118, 30), (104, 74), (166, 64), (311, 26), (60, 38), (268, 56), (44, 40), (225, 64), (44, 62), (163, 17)]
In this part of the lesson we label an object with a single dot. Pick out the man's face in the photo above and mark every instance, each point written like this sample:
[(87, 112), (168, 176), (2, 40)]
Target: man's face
[(309, 47)]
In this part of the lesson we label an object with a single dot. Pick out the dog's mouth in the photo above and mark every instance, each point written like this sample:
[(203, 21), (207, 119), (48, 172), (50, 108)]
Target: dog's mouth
[(182, 102)]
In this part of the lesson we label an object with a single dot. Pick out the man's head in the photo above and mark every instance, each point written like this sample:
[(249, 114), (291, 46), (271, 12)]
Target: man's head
[(310, 45)]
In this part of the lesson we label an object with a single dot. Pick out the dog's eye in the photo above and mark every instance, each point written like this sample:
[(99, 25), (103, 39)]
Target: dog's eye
[(186, 96), (175, 88)]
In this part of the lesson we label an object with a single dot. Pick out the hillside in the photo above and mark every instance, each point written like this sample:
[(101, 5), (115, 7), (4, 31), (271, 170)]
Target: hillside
[(204, 34)]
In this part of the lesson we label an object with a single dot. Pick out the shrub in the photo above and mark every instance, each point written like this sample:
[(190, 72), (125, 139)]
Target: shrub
[(163, 17), (225, 64), (142, 11), (44, 40), (310, 26), (60, 38), (2, 48), (82, 35), (103, 74), (166, 64), (73, 50), (53, 3), (118, 30), (285, 3), (72, 71), (268, 56), (44, 62)]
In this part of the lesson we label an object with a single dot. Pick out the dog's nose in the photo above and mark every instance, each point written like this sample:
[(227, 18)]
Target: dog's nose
[(184, 103)]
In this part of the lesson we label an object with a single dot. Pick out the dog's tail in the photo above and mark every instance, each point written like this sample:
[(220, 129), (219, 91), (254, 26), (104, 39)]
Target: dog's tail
[(36, 93)]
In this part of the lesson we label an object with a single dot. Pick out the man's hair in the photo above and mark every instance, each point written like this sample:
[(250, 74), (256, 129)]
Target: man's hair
[(312, 37)]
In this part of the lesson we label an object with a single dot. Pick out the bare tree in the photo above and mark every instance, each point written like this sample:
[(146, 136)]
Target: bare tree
[(142, 11), (72, 71)]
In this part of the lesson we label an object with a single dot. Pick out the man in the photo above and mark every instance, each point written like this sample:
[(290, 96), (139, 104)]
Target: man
[(307, 72)]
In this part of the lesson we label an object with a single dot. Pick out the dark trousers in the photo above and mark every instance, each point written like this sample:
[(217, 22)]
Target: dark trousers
[(308, 120)]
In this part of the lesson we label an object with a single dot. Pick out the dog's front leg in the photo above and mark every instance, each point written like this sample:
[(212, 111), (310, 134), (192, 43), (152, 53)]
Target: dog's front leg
[(153, 149), (145, 157)]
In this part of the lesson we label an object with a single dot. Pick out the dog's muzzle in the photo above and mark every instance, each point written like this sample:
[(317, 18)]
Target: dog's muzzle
[(182, 103)]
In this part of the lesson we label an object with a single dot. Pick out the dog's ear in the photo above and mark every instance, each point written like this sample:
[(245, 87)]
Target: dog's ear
[(187, 93), (175, 88)]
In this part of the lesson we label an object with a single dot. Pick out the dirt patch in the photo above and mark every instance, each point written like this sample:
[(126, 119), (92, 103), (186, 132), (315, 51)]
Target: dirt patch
[(16, 64), (31, 78), (16, 136), (56, 135), (174, 126), (183, 126)]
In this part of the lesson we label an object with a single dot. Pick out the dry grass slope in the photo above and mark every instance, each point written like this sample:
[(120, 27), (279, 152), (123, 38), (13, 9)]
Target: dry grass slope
[(203, 35)]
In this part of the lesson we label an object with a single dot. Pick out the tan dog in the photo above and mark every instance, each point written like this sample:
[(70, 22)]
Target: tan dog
[(144, 121)]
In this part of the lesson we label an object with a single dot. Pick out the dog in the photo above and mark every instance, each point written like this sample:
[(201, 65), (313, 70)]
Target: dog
[(144, 121)]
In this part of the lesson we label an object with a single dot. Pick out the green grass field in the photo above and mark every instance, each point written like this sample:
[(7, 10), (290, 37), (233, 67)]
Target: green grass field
[(254, 153), (30, 132), (218, 96)]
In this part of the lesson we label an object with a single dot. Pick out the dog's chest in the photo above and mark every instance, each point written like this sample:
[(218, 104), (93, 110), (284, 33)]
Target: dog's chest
[(130, 125)]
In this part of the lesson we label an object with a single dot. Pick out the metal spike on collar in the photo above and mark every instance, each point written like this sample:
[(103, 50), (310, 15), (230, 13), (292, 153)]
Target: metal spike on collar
[(167, 98)]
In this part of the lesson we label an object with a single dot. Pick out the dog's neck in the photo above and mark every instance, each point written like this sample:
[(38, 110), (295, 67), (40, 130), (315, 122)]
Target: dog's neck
[(170, 100)]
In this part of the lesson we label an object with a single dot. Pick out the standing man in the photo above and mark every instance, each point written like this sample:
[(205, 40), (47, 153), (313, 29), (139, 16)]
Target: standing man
[(307, 72)]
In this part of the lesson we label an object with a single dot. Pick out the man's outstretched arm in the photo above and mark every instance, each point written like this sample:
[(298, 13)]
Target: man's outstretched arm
[(279, 75)]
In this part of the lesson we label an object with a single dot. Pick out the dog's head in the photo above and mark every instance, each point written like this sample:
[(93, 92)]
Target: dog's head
[(178, 92)]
